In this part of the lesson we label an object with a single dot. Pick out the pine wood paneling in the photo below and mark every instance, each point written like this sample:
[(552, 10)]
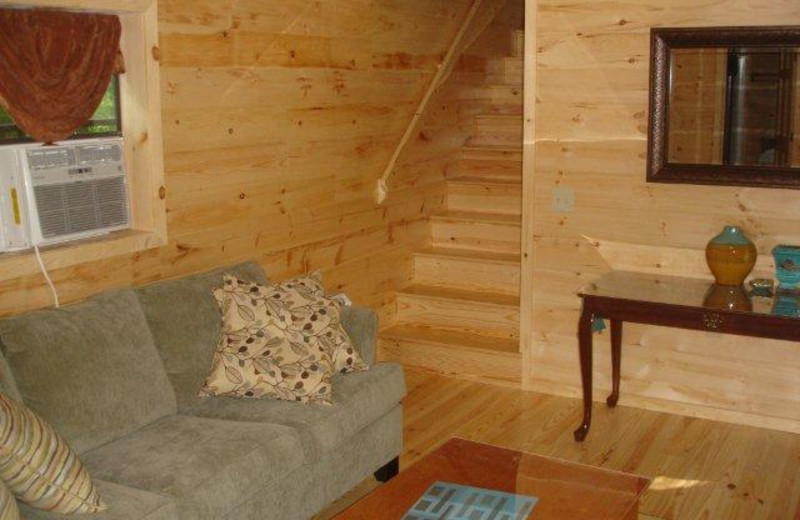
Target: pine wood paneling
[(590, 136), (278, 118)]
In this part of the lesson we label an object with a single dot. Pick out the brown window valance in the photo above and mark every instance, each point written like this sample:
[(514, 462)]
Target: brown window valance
[(55, 67)]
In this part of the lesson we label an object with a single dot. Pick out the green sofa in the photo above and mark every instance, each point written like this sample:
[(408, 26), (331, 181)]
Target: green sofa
[(118, 377)]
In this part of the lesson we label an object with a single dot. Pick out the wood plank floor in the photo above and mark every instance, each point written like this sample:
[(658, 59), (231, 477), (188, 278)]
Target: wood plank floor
[(700, 469)]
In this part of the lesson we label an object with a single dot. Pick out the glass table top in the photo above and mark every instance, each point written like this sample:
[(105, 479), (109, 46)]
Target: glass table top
[(691, 292), (563, 489)]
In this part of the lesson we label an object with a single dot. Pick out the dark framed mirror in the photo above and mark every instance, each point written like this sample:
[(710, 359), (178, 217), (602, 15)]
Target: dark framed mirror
[(725, 106)]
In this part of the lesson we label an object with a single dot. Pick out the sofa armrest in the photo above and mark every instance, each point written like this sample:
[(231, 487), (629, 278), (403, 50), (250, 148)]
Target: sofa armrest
[(361, 324)]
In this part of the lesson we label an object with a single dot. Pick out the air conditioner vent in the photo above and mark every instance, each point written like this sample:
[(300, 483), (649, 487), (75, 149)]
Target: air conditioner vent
[(80, 207)]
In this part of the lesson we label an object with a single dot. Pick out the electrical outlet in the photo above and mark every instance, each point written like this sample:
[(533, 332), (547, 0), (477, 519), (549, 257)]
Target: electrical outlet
[(563, 200)]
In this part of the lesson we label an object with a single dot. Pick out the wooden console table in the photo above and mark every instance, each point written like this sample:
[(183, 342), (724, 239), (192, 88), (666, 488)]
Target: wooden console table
[(672, 301)]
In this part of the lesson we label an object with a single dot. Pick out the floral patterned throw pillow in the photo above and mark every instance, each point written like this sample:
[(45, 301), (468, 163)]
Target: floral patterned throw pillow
[(317, 321), (259, 353)]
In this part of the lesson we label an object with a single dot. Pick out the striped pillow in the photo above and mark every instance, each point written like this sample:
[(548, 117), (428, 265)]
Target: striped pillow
[(8, 506), (39, 467)]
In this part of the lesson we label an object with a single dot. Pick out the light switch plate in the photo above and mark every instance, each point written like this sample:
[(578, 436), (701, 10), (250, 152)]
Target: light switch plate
[(563, 200)]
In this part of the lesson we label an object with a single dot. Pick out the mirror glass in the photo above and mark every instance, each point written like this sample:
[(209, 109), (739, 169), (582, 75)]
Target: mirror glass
[(734, 106)]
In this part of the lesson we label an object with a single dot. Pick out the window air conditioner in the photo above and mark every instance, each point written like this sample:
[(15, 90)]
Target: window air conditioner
[(68, 191)]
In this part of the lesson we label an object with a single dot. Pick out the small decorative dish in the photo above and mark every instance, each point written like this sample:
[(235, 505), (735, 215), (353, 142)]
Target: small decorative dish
[(763, 287)]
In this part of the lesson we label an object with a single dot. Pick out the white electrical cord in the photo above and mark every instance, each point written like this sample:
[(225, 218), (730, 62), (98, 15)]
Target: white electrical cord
[(46, 276)]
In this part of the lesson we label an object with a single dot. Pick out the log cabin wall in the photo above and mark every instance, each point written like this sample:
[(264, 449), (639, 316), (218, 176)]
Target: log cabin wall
[(590, 136), (278, 118), (437, 149)]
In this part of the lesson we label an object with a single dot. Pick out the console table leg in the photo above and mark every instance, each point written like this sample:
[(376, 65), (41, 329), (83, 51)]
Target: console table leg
[(616, 356), (585, 345)]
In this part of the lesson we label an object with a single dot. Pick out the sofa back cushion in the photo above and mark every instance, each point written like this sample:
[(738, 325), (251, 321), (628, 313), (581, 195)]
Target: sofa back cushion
[(7, 383), (186, 324), (91, 369)]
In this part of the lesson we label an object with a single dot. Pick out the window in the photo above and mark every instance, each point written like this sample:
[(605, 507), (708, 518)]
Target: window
[(105, 122), (140, 119)]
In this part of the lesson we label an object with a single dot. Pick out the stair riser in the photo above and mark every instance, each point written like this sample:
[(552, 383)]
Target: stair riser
[(488, 169), (459, 315), (476, 236), (506, 110), (497, 131), (506, 71), (486, 198), (513, 71), (503, 98), (487, 154), (464, 273), (485, 367), (518, 43), (506, 96)]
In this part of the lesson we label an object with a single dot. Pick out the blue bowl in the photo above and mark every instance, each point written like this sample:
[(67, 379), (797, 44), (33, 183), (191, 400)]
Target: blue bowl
[(787, 267)]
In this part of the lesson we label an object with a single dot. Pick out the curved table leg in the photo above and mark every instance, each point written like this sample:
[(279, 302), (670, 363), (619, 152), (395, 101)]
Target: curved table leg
[(616, 356), (585, 345)]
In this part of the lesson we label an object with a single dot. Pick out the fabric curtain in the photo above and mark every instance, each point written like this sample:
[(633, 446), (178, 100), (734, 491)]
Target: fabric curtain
[(55, 67)]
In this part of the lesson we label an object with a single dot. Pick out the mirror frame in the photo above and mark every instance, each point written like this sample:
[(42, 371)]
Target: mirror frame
[(658, 168)]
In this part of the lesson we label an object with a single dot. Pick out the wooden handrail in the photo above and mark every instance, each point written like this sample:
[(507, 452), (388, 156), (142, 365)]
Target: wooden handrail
[(444, 68)]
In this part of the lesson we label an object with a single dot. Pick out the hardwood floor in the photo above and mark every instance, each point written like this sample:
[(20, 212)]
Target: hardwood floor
[(700, 469)]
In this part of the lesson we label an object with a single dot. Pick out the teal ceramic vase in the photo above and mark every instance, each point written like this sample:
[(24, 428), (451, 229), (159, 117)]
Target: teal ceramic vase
[(731, 256), (787, 267)]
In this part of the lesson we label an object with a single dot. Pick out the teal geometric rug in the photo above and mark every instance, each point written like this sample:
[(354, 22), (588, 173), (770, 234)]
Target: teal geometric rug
[(446, 501)]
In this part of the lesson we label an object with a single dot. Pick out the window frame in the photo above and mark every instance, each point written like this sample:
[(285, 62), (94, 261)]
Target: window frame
[(140, 122)]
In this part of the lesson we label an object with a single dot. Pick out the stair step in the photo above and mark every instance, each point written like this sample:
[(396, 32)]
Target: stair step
[(509, 109), (495, 153), (477, 195), (468, 270), (513, 70), (506, 71), (458, 354), (488, 169), (497, 130), (477, 231), (481, 312), (499, 95), (518, 43)]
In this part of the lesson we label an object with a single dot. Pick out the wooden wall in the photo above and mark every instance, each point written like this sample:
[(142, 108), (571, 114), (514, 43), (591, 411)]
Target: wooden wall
[(433, 154), (591, 71), (279, 116)]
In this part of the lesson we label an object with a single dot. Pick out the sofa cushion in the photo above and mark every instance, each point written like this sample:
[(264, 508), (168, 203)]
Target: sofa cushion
[(361, 325), (38, 465), (358, 399), (208, 466), (124, 503), (317, 321), (258, 356), (185, 322), (7, 383), (91, 369)]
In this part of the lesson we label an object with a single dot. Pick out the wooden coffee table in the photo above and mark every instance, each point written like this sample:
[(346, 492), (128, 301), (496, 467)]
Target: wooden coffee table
[(566, 491)]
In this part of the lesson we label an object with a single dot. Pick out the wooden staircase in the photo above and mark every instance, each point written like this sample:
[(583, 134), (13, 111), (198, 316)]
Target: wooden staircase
[(460, 315)]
